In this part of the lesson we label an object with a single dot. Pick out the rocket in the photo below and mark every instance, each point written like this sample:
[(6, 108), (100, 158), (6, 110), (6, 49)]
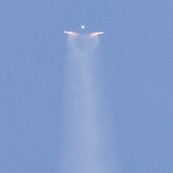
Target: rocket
[(75, 34)]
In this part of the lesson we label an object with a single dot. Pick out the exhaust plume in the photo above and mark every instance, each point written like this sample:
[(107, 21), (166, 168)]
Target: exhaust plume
[(81, 140)]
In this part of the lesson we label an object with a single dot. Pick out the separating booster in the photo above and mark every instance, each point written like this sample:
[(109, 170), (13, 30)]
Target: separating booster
[(75, 34)]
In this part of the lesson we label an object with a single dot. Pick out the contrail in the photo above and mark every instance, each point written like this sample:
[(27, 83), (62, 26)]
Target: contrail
[(81, 139)]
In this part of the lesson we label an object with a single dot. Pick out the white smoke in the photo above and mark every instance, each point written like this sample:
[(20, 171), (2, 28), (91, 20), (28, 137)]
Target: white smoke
[(82, 136)]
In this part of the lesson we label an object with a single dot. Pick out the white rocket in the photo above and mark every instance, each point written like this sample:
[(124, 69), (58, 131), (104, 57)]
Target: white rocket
[(75, 34)]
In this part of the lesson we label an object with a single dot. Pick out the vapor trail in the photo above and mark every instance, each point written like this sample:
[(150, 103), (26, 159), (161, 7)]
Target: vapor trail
[(80, 152)]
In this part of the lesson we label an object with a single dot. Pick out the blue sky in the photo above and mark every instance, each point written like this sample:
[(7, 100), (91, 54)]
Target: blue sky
[(135, 71)]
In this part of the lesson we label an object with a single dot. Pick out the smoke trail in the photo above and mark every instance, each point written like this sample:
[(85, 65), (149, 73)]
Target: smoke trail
[(80, 152)]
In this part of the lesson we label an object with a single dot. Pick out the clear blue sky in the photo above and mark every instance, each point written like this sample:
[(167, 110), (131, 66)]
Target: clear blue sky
[(136, 72)]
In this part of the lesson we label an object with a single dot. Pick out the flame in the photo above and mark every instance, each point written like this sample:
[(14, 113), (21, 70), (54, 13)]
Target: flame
[(94, 34), (71, 33)]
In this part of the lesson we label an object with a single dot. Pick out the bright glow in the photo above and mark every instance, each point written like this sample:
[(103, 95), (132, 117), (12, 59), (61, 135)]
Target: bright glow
[(95, 34), (82, 26), (71, 33)]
